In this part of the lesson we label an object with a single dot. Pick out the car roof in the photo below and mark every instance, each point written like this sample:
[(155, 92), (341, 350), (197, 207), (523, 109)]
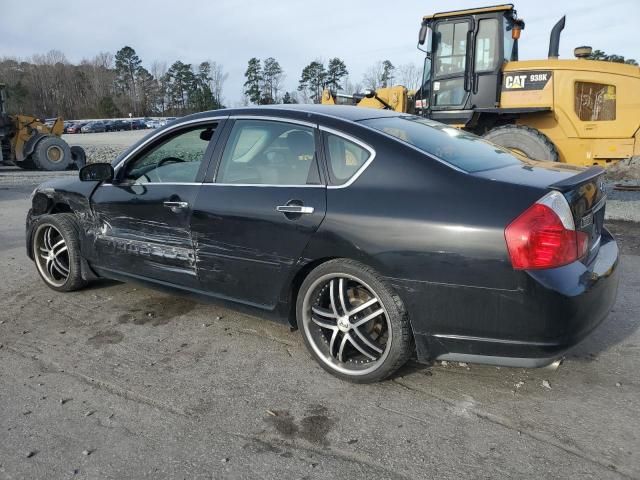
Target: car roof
[(343, 112)]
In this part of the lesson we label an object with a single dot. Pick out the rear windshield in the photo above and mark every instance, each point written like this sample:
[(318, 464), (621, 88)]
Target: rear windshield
[(456, 147)]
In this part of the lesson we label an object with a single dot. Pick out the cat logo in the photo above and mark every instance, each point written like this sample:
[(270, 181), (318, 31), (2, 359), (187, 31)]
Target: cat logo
[(536, 80), (515, 81)]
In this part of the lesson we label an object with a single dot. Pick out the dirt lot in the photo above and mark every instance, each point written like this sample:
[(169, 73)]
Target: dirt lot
[(118, 381)]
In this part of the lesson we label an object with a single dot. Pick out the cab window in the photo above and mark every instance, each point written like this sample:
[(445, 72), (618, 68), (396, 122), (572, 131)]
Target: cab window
[(486, 45), (451, 50)]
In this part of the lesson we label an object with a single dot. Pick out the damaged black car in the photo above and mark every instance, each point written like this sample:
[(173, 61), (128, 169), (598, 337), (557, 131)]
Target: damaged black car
[(379, 235)]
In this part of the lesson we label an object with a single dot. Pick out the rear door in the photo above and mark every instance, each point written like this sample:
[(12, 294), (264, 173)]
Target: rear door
[(143, 217), (252, 222)]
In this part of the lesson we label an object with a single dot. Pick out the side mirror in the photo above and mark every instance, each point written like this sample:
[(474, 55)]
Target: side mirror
[(422, 35), (96, 172)]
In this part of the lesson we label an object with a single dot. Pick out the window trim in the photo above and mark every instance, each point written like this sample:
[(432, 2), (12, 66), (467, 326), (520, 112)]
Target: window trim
[(267, 118), (360, 143)]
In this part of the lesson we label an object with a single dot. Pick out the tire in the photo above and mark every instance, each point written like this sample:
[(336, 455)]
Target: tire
[(56, 237), (342, 346), (79, 157), (26, 164), (52, 154), (527, 140)]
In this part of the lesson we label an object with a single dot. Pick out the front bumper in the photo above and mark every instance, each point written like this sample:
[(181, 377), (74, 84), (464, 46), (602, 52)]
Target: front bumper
[(530, 326)]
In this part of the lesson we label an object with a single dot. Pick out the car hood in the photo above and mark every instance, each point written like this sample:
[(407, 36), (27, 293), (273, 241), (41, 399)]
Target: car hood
[(67, 184)]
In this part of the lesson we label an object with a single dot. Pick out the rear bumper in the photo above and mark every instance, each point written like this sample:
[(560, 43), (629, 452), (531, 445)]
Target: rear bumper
[(530, 326)]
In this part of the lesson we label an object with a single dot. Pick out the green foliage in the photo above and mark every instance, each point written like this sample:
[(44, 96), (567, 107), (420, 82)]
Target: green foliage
[(600, 55), (107, 108), (312, 80), (387, 73), (336, 71), (252, 86)]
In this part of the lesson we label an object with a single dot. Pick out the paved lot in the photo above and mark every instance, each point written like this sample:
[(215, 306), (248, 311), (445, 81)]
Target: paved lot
[(118, 381)]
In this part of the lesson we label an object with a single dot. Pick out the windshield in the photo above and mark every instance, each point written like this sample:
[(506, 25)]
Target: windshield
[(456, 147)]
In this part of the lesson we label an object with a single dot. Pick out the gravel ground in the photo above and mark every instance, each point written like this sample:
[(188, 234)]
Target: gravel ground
[(118, 381), (104, 147)]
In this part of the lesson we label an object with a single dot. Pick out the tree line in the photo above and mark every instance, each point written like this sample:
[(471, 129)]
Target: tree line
[(110, 86), (264, 79)]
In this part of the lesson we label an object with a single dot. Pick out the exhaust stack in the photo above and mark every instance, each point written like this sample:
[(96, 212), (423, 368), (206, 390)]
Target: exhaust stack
[(554, 41)]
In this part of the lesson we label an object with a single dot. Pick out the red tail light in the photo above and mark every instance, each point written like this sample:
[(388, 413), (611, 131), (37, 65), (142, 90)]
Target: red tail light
[(544, 235)]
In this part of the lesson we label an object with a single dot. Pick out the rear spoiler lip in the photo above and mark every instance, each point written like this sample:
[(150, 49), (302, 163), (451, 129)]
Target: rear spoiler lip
[(583, 177)]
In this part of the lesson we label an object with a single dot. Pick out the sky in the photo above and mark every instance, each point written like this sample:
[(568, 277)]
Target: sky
[(230, 32)]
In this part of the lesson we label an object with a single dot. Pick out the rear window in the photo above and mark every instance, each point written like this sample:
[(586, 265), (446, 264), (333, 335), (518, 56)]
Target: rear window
[(456, 147)]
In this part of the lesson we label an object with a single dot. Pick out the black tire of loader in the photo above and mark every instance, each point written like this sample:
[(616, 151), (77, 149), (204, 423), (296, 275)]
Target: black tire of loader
[(533, 143)]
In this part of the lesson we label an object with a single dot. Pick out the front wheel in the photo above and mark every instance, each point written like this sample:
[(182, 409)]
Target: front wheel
[(352, 323), (56, 251)]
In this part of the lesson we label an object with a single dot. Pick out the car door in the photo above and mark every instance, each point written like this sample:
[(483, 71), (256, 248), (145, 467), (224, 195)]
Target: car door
[(142, 217), (250, 225)]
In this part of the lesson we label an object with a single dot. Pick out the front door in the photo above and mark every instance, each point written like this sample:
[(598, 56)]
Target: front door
[(251, 225), (142, 218), (451, 76)]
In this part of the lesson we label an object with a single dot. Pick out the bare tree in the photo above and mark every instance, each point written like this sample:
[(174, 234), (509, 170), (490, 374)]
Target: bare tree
[(218, 77), (410, 75), (372, 77)]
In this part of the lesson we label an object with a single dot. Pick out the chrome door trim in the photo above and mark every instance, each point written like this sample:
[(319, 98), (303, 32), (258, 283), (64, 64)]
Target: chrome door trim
[(160, 134), (274, 119), (360, 143), (260, 185)]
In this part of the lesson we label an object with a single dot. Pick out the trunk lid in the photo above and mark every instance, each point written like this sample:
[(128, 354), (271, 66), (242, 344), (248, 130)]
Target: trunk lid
[(582, 188)]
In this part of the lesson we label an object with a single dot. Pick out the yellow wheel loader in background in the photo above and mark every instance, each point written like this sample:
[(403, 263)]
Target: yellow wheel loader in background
[(29, 143), (576, 111)]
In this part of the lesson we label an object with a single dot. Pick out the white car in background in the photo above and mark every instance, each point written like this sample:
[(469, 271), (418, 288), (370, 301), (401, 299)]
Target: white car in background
[(152, 123)]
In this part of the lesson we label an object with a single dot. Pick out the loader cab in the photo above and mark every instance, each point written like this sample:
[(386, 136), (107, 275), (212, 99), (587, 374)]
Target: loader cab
[(465, 53)]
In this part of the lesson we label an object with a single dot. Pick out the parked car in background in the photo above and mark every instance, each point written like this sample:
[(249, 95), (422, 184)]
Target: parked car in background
[(75, 128), (93, 127), (138, 125), (119, 125), (67, 124), (378, 235), (153, 123), (164, 121)]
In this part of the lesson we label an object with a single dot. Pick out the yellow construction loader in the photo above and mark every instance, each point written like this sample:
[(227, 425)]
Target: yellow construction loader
[(31, 144), (576, 111)]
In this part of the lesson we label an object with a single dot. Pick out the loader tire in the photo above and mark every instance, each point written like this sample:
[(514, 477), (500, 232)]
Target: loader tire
[(79, 157), (52, 154), (524, 140), (26, 164)]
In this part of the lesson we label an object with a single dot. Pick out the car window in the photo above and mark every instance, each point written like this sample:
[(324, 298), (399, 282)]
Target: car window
[(345, 158), (456, 147), (176, 158), (262, 152)]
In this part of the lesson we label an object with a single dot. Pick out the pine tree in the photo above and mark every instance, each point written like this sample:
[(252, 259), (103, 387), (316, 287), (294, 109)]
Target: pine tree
[(336, 71), (252, 86)]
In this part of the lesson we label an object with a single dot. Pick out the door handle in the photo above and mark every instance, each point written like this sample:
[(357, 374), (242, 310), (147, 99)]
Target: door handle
[(175, 206), (295, 209)]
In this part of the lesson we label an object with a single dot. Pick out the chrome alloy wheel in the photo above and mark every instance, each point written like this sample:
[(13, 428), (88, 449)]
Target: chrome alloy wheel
[(346, 324), (51, 255)]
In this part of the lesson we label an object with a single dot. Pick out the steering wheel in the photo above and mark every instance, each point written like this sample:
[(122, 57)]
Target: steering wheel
[(169, 160)]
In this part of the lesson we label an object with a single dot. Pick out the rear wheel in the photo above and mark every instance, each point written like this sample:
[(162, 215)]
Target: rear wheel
[(525, 141), (352, 323), (56, 251), (52, 154)]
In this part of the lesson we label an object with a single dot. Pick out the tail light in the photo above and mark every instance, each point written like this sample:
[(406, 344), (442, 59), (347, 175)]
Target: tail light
[(544, 235)]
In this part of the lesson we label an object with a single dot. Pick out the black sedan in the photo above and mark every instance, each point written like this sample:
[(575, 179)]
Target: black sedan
[(378, 235)]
